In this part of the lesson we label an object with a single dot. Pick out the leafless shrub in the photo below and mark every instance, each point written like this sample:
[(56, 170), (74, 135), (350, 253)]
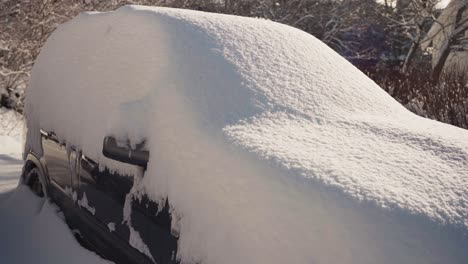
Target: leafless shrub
[(446, 101)]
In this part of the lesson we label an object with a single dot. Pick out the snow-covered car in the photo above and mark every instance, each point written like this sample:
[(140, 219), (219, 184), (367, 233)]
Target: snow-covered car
[(258, 142)]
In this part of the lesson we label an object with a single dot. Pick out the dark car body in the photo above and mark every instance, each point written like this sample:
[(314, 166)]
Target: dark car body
[(92, 199)]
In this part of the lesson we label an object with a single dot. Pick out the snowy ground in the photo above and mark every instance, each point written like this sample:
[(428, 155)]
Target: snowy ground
[(31, 229)]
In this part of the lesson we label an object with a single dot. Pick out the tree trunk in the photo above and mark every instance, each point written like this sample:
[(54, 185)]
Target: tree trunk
[(414, 48), (439, 65), (461, 25), (409, 57)]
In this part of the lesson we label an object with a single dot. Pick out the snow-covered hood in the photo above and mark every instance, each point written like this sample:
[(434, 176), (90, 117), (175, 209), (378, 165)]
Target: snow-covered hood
[(270, 147)]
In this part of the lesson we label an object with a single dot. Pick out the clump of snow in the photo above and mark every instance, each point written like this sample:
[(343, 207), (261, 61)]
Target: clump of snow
[(136, 242), (269, 146), (111, 226), (135, 238), (83, 202)]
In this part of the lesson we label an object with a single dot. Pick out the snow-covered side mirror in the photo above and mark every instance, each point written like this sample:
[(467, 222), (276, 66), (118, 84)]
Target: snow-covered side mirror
[(111, 150)]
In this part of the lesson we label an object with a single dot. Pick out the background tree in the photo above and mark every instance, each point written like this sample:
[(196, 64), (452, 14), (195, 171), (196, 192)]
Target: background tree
[(449, 35), (410, 20)]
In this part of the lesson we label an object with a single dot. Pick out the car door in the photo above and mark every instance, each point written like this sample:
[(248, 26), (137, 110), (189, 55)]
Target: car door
[(154, 227), (58, 163), (102, 194)]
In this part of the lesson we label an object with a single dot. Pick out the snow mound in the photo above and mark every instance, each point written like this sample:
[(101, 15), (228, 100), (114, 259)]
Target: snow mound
[(270, 147), (11, 133), (32, 232), (11, 145)]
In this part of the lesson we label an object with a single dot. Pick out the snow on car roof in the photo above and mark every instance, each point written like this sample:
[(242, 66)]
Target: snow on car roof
[(270, 147)]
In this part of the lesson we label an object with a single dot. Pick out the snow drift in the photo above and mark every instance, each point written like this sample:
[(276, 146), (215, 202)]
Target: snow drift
[(270, 147), (32, 231)]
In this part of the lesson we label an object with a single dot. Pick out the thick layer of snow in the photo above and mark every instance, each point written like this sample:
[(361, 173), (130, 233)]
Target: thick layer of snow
[(31, 230), (270, 147)]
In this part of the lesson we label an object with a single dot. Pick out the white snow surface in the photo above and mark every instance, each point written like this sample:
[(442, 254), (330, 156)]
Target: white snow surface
[(11, 144), (84, 203), (31, 230), (270, 147), (111, 226)]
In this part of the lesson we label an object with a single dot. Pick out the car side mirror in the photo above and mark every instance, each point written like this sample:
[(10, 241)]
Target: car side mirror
[(111, 150)]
